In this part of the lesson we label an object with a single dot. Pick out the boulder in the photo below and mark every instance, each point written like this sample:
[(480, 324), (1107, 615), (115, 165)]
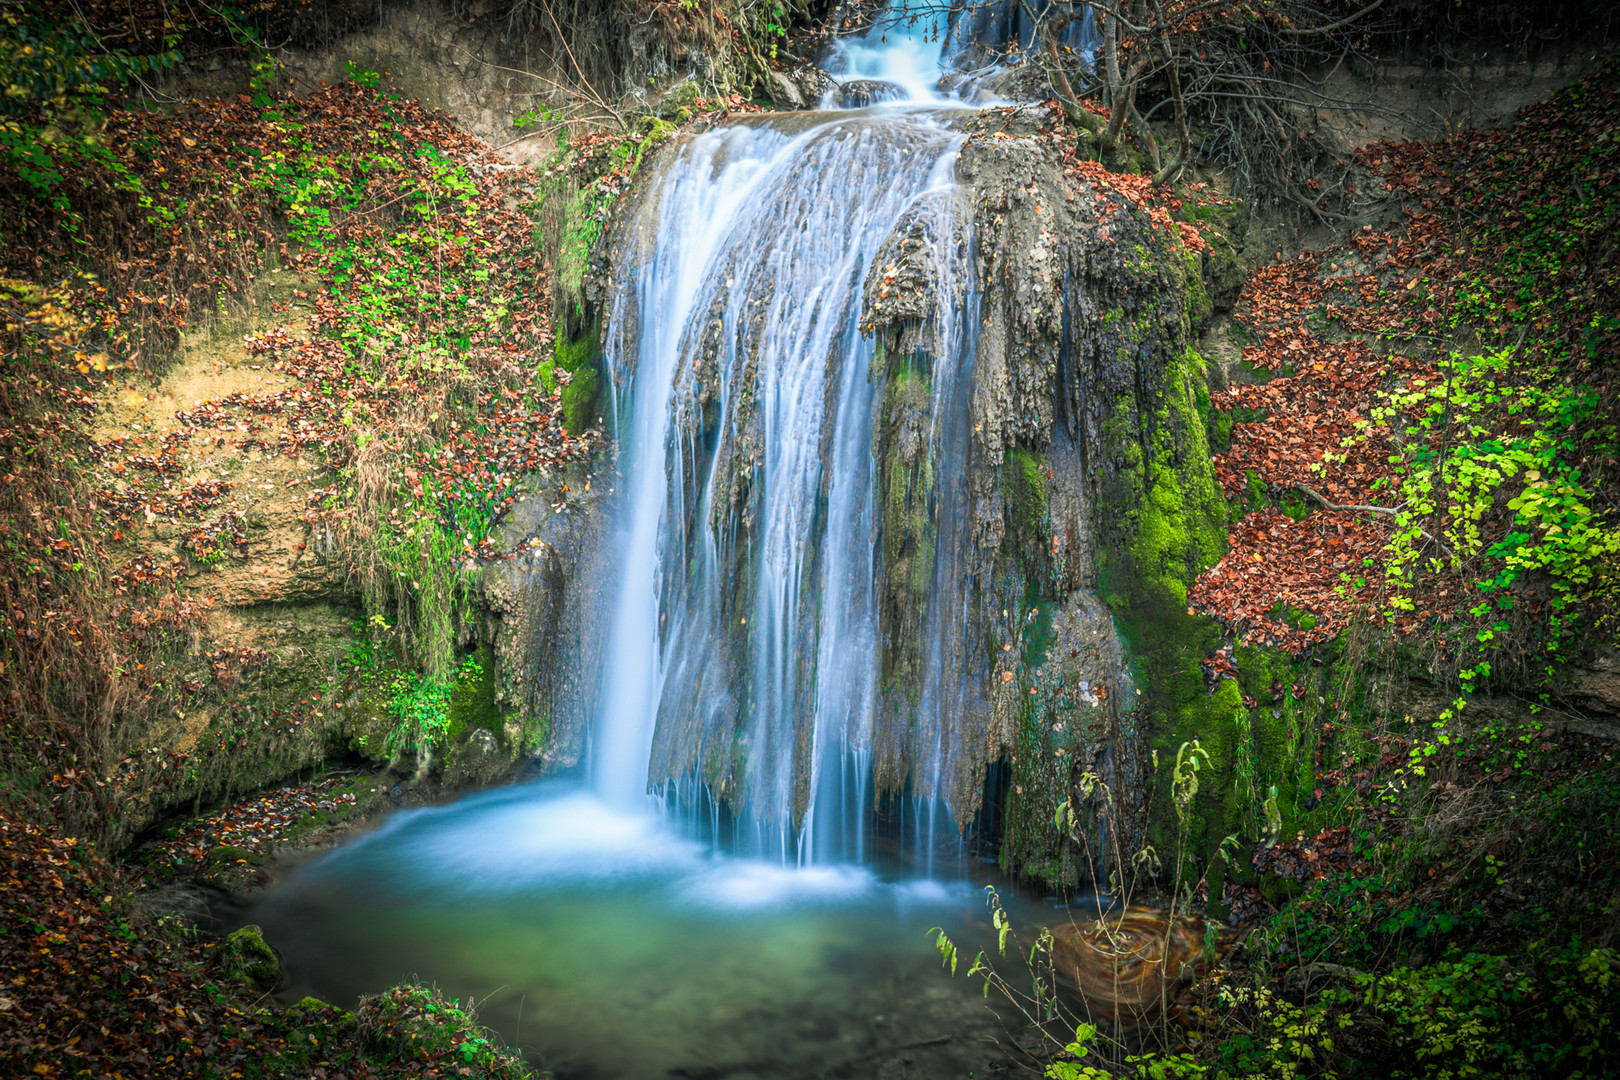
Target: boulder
[(477, 760), (1127, 965), (863, 92), (784, 91), (249, 958)]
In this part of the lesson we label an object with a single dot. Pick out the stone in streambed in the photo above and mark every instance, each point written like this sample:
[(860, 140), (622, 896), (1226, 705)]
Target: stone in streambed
[(1128, 966), (784, 91), (860, 93)]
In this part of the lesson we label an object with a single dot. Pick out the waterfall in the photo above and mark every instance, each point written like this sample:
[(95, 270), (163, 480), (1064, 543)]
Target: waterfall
[(743, 663)]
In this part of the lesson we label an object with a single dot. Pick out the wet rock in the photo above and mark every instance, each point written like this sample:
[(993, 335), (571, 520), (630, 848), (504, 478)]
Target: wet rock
[(1128, 966), (812, 83), (478, 760), (785, 93), (1027, 82), (860, 93), (541, 616)]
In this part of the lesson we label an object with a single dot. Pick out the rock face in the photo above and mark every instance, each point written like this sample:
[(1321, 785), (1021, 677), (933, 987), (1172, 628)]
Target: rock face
[(1598, 683), (479, 759), (270, 678), (1080, 369), (1037, 511), (545, 612), (785, 93), (237, 521)]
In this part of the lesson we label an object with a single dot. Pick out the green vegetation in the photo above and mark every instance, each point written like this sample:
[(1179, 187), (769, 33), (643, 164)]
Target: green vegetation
[(1497, 455), (580, 356), (1172, 527), (55, 77), (415, 1024), (581, 183)]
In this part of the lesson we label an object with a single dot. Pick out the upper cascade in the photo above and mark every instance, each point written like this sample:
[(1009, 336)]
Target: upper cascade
[(902, 50), (937, 56)]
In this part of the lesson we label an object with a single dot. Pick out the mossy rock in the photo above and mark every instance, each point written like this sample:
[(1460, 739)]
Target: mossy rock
[(232, 867), (1222, 270), (472, 701), (476, 760), (321, 1018), (655, 129), (581, 356), (1168, 525), (679, 101), (311, 826), (246, 957), (1024, 482)]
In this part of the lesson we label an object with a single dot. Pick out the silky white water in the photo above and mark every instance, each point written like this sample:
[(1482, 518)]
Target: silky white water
[(737, 324)]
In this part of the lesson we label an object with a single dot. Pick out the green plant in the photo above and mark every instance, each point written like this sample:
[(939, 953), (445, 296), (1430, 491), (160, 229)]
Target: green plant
[(1149, 1066), (420, 707), (56, 76), (1491, 491), (415, 1023), (1482, 1015)]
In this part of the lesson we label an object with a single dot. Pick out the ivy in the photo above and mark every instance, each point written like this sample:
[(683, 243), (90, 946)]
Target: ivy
[(1490, 489)]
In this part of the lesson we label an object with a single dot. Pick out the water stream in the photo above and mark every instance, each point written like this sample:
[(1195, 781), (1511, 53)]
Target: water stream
[(716, 897), (745, 396)]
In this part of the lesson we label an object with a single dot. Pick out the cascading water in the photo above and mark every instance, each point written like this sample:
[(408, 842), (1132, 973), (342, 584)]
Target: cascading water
[(744, 655)]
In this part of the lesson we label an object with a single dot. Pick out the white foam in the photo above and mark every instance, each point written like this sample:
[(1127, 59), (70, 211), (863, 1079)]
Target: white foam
[(739, 884)]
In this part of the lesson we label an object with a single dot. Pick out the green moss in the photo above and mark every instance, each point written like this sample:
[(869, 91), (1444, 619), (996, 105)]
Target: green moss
[(227, 855), (1169, 525), (231, 867), (472, 701), (246, 957), (352, 799), (906, 480), (1218, 430), (1199, 305), (655, 129), (680, 100), (414, 1023), (1024, 485), (312, 1013), (1050, 723), (581, 357)]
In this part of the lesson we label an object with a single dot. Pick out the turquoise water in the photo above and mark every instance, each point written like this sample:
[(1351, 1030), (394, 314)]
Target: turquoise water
[(606, 944)]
